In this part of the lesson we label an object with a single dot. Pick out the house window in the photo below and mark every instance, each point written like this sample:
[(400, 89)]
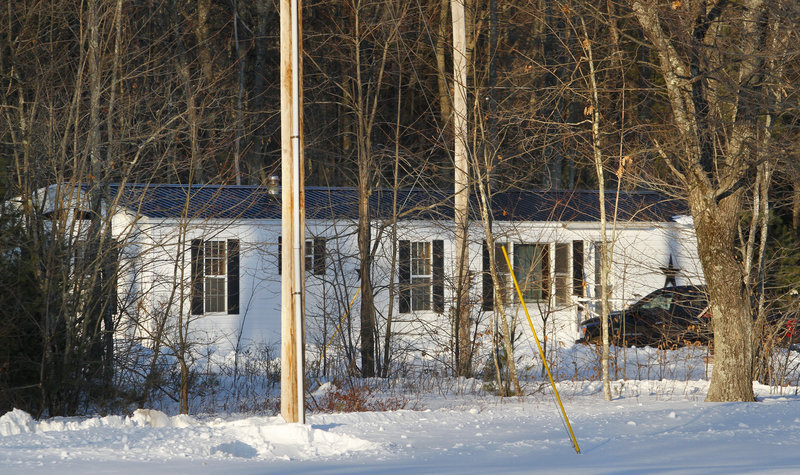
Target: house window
[(421, 275), (318, 251), (214, 258), (315, 255), (562, 274), (531, 268), (215, 276), (578, 280)]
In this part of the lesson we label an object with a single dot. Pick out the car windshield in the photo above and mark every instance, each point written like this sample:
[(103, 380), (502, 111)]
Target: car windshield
[(658, 301)]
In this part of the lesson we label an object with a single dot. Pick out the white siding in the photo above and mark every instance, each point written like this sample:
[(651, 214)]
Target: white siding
[(640, 251)]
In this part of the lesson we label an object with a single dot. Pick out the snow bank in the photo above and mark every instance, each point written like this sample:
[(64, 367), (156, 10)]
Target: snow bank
[(150, 418), (151, 435), (16, 422), (656, 422), (650, 426), (273, 438)]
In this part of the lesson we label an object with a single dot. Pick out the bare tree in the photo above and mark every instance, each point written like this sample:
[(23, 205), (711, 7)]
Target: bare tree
[(606, 248), (715, 63)]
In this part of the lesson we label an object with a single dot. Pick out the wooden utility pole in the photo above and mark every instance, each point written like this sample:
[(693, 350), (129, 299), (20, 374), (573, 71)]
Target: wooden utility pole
[(292, 217), (461, 179)]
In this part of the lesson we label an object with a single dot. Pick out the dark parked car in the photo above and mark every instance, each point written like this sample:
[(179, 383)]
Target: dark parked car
[(666, 317)]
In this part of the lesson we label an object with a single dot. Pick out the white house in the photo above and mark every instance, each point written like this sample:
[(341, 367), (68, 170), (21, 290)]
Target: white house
[(204, 260)]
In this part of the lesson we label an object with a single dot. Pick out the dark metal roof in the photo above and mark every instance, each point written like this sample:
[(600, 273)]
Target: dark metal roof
[(198, 201), (254, 202)]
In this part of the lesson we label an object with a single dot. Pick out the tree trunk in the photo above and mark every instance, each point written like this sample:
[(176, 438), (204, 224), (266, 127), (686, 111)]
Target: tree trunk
[(184, 389), (367, 86), (796, 205), (201, 33), (387, 341), (605, 246), (731, 377), (718, 122), (257, 147), (484, 192), (445, 109), (367, 301), (461, 199)]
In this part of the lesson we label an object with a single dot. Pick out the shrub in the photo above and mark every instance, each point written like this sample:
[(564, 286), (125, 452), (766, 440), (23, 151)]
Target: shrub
[(357, 398)]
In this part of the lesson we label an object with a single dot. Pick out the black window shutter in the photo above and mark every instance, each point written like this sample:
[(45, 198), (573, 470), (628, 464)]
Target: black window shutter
[(233, 276), (319, 255), (438, 275), (545, 271), (280, 256), (577, 268), (197, 277), (488, 286), (404, 276)]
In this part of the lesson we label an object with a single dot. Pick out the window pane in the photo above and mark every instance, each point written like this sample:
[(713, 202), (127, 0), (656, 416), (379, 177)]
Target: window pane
[(528, 269), (215, 294), (214, 258), (214, 268), (421, 258), (562, 290), (421, 276), (577, 269), (562, 274), (659, 301), (319, 256), (309, 257), (562, 258), (421, 293)]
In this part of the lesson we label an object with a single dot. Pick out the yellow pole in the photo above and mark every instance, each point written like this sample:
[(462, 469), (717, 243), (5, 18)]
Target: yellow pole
[(541, 353), (338, 327)]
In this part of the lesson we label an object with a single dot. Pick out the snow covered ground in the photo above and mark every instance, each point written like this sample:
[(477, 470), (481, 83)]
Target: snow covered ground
[(651, 426)]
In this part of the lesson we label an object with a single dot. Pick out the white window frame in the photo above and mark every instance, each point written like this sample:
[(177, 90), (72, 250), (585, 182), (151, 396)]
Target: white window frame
[(537, 286), (218, 263), (421, 275), (310, 262)]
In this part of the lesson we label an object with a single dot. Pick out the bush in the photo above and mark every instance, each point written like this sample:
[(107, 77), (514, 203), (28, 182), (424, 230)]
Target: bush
[(357, 398)]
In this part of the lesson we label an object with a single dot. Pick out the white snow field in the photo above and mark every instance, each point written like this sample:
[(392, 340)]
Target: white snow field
[(651, 426)]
